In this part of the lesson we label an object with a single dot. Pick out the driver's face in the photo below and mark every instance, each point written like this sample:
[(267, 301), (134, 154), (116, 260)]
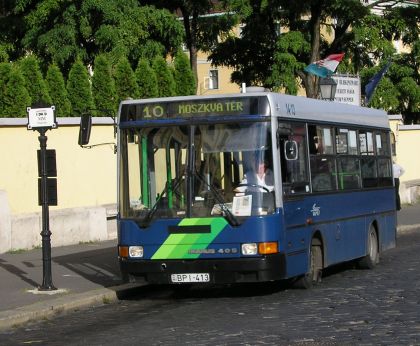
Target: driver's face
[(261, 168)]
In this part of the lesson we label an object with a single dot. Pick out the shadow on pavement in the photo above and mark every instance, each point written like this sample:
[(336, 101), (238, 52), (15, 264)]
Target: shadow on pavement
[(99, 266), (18, 272)]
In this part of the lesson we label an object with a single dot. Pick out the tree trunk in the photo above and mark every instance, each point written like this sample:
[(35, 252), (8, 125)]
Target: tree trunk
[(311, 81), (190, 32)]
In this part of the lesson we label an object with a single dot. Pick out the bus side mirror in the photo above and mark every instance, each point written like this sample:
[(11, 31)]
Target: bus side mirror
[(291, 150), (84, 130)]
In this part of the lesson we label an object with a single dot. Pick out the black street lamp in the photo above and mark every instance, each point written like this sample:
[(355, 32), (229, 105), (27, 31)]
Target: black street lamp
[(327, 88)]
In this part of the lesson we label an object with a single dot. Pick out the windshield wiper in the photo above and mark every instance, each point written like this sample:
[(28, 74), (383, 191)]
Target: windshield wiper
[(146, 220), (219, 199)]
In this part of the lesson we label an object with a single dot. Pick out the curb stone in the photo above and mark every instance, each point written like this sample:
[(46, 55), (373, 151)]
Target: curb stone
[(46, 309), (405, 228)]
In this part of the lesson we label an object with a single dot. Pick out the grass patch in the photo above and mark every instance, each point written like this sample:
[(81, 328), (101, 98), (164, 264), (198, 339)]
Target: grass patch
[(16, 251)]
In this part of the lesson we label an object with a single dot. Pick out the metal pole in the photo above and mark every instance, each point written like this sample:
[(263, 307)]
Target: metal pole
[(47, 284)]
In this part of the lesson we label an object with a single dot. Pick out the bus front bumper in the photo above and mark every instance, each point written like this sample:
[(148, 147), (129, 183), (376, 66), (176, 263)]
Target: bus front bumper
[(221, 271)]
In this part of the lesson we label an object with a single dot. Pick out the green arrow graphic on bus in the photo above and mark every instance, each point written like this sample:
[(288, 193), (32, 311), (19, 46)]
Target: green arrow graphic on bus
[(178, 245)]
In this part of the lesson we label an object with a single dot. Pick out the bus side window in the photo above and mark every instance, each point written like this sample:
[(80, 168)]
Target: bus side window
[(348, 163), (322, 160)]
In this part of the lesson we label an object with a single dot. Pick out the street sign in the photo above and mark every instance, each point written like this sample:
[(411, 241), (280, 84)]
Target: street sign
[(348, 89), (41, 118)]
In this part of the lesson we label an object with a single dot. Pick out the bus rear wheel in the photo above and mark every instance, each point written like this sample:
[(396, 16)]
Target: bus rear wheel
[(372, 257), (315, 267)]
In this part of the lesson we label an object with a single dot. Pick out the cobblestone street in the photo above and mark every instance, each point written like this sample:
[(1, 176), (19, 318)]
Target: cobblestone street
[(349, 307)]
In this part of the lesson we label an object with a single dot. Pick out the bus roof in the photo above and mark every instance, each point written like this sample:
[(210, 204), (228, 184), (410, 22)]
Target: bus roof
[(279, 105)]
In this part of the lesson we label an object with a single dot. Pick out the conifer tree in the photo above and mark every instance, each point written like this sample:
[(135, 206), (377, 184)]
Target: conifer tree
[(5, 69), (78, 89), (146, 79), (165, 79), (125, 81), (34, 82), (57, 91), (16, 97), (103, 87), (184, 77)]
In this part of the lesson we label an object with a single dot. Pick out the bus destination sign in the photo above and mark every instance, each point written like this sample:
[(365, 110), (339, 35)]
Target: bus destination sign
[(195, 108)]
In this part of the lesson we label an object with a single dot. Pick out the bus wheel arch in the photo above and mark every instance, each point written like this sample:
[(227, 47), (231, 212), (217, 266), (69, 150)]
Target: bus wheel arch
[(371, 259), (317, 244), (316, 263)]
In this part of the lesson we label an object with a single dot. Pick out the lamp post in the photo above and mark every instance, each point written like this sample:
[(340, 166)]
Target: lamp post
[(327, 88)]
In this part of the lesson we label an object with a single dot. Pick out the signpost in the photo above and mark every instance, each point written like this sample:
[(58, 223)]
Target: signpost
[(41, 120), (348, 89)]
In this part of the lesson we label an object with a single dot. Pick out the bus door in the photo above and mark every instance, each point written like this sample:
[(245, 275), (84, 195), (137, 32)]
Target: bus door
[(293, 151)]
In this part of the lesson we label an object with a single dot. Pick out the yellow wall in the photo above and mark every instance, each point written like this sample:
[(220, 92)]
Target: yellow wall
[(86, 177), (408, 142), (407, 139), (225, 85)]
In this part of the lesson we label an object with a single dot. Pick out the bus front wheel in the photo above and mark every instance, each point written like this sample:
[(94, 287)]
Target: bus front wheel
[(372, 257), (315, 267)]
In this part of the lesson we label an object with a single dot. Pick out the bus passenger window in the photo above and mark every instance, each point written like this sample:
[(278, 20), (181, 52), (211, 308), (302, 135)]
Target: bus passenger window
[(366, 143), (382, 144), (323, 173), (348, 168), (341, 141), (369, 172), (384, 172), (320, 140)]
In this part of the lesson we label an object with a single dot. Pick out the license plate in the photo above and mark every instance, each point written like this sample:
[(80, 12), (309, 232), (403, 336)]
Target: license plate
[(190, 277)]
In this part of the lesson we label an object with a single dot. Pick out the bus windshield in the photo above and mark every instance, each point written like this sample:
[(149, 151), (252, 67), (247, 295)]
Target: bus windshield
[(196, 171)]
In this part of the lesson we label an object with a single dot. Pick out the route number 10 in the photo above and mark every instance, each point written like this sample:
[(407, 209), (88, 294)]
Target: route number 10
[(153, 112)]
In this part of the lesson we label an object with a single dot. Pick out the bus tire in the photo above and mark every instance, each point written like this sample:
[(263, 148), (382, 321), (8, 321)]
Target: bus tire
[(315, 267), (372, 258)]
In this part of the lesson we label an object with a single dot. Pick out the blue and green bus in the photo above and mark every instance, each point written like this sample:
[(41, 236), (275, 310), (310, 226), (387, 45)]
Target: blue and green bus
[(181, 160)]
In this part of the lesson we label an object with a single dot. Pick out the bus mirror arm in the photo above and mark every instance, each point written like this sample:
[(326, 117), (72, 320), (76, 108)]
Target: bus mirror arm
[(86, 127)]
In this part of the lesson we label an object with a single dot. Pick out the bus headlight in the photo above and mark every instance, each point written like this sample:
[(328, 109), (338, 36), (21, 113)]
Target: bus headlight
[(249, 249), (135, 251)]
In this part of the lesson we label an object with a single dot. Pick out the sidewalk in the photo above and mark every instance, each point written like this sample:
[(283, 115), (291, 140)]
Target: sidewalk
[(408, 217), (85, 274)]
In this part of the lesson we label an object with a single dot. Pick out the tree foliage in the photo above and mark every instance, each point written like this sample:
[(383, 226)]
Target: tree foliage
[(57, 91), (266, 54), (60, 31), (78, 89), (276, 40), (146, 79), (165, 78), (184, 77), (286, 65), (202, 32), (125, 81), (16, 98), (252, 53), (103, 87), (12, 29), (34, 81), (5, 69)]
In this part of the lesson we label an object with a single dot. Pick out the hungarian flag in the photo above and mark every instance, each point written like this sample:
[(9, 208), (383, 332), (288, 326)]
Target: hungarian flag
[(325, 67)]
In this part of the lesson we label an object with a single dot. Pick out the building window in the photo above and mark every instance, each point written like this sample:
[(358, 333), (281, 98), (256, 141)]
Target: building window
[(213, 79)]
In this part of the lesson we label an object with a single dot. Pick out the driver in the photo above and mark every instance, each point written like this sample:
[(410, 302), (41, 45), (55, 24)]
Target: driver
[(261, 176)]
